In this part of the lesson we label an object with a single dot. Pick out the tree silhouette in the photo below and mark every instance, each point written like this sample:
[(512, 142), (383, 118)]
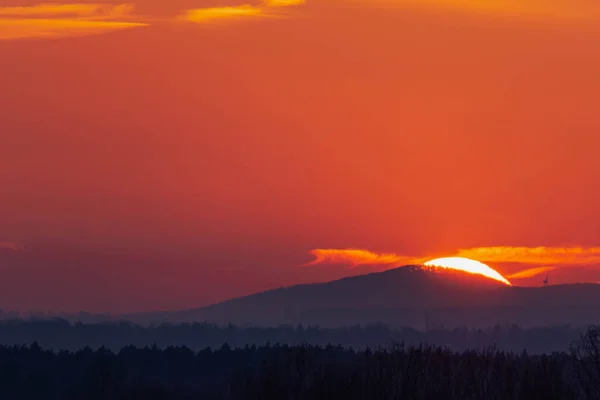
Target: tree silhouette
[(396, 370)]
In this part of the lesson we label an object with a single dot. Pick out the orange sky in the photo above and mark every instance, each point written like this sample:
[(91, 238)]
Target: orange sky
[(168, 154)]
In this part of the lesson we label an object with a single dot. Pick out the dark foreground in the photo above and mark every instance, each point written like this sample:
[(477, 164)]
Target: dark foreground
[(300, 372)]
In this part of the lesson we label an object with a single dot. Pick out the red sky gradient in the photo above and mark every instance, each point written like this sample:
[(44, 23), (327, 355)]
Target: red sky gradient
[(156, 158)]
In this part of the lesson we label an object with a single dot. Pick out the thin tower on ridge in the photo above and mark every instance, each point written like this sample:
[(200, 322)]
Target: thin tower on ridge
[(545, 281)]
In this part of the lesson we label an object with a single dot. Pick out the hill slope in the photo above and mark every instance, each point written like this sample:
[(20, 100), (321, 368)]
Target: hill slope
[(407, 296)]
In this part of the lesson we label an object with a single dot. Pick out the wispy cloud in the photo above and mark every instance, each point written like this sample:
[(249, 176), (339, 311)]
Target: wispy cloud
[(534, 255), (266, 9), (539, 256), (356, 257), (283, 3), (11, 246), (67, 10), (530, 272), (217, 13), (557, 10), (49, 20), (64, 20)]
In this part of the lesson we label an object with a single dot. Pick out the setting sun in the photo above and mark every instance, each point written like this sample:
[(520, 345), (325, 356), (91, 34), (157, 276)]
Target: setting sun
[(467, 265)]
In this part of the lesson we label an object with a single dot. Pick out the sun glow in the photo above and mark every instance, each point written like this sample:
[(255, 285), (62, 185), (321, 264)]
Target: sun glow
[(468, 265)]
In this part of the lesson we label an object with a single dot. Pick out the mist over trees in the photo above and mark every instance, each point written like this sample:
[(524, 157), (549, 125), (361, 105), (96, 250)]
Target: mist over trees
[(61, 334), (300, 372)]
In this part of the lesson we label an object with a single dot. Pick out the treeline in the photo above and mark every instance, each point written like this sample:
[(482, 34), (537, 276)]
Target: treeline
[(300, 372), (61, 334)]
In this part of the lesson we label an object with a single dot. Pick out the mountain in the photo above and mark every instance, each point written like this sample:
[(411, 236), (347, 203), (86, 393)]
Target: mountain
[(416, 296)]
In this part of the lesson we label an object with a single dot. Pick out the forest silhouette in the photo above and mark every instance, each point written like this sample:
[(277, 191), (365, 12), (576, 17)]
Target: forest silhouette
[(300, 372), (60, 334)]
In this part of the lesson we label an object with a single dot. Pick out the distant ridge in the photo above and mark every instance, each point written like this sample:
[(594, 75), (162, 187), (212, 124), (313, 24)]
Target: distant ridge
[(411, 295)]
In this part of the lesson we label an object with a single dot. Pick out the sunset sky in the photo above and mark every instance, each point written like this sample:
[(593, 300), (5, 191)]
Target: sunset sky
[(167, 154)]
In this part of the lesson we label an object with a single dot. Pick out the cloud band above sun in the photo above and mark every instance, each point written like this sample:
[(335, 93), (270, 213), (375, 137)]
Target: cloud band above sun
[(541, 259), (535, 255), (356, 257)]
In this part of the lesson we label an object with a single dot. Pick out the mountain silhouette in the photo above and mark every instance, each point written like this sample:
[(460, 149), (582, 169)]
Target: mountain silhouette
[(416, 296)]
